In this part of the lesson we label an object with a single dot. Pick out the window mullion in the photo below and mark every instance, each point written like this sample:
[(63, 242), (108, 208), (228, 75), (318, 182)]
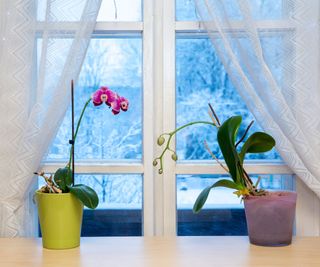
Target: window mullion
[(201, 167), (66, 26), (158, 110), (148, 121), (102, 168), (169, 179), (263, 25)]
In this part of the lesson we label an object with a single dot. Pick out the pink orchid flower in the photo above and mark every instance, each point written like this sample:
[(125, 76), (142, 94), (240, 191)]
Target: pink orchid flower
[(115, 105), (124, 103), (110, 98), (100, 96)]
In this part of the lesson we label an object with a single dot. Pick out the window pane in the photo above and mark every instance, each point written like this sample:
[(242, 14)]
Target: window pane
[(200, 79), (186, 10), (116, 191), (223, 213), (120, 205), (120, 10), (61, 10), (110, 10), (260, 9), (116, 63)]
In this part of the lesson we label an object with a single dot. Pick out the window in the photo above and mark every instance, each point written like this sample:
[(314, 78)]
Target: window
[(116, 62), (201, 78), (160, 58), (108, 150)]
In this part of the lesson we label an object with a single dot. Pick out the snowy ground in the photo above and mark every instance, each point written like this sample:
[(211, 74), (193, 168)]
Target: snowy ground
[(218, 198)]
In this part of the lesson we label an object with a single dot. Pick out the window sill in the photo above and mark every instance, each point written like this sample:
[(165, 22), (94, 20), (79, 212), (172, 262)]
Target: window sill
[(160, 251)]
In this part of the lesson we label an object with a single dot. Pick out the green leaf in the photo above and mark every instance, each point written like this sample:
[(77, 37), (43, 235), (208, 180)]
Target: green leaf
[(258, 142), (226, 135), (85, 194), (63, 178), (202, 198)]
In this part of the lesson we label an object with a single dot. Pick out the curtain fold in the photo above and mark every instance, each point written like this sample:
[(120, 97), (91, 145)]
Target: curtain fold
[(275, 69), (42, 47)]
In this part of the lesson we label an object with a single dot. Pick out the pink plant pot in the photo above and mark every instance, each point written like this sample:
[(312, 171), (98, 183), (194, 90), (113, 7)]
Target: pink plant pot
[(270, 218)]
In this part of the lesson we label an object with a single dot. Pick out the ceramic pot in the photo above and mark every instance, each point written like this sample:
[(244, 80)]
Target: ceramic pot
[(60, 218), (270, 218)]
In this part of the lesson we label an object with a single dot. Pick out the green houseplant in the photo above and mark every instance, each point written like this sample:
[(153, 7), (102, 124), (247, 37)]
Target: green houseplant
[(60, 201), (234, 149)]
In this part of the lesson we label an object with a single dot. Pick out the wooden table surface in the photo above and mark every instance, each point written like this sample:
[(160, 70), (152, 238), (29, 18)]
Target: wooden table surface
[(160, 251)]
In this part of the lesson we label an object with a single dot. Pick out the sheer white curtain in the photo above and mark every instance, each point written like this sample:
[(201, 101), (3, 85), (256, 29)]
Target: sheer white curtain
[(271, 52), (36, 66)]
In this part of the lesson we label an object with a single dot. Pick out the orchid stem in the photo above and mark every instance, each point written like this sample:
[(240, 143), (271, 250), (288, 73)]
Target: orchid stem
[(171, 134), (77, 129)]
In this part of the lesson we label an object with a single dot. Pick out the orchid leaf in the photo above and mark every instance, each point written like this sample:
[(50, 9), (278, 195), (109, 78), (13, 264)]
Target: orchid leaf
[(63, 178), (85, 194), (202, 198), (226, 135), (258, 142)]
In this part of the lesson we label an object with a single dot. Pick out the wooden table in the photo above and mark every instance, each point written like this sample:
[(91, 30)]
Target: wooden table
[(160, 251)]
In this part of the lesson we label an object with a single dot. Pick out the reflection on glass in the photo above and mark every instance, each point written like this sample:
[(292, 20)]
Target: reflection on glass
[(223, 213), (117, 64), (200, 79)]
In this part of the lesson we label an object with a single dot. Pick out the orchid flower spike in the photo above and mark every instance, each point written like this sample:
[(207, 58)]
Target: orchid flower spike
[(111, 99)]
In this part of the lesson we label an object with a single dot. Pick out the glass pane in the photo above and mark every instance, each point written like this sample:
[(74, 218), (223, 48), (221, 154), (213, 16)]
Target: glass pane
[(116, 63), (260, 9), (110, 10), (120, 205), (200, 79), (270, 9), (223, 213), (61, 10), (120, 10), (186, 10)]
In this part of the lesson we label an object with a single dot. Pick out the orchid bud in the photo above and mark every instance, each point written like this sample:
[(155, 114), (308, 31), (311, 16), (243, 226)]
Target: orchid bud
[(160, 141), (155, 162), (160, 171), (174, 156)]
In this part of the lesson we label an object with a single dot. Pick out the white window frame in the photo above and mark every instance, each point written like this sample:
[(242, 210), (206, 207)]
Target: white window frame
[(159, 30)]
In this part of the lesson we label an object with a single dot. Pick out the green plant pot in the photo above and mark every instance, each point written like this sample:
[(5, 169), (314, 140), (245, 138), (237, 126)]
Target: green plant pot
[(60, 218)]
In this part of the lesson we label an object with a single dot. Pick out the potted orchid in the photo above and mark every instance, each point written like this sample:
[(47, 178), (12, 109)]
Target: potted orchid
[(60, 201), (270, 215)]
